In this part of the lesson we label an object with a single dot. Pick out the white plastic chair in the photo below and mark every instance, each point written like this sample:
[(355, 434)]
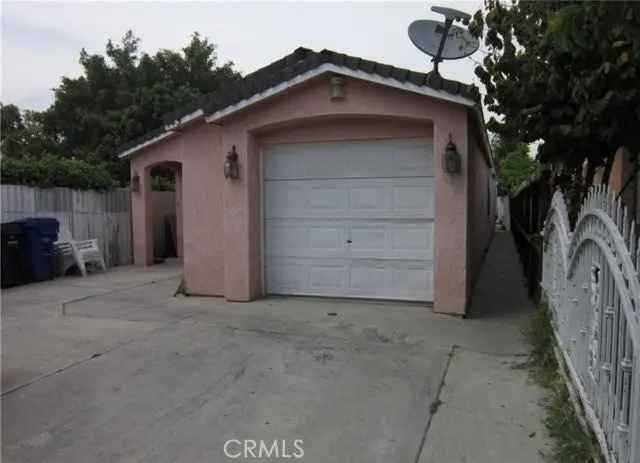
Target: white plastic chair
[(82, 252)]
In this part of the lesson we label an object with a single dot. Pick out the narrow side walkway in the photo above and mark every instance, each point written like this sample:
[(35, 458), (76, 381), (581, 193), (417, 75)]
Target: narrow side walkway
[(500, 291), (488, 410)]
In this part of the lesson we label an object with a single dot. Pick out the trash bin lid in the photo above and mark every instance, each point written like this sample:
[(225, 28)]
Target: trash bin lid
[(11, 228), (45, 225)]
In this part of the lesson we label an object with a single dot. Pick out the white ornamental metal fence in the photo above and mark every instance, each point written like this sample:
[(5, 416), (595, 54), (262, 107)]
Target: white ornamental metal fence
[(590, 278)]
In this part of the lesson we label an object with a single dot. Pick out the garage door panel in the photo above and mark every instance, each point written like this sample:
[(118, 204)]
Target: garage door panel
[(284, 196), (412, 200), (284, 239), (348, 238), (368, 240), (376, 158), (326, 277), (323, 238), (365, 278), (350, 219), (286, 276), (406, 158), (367, 199), (331, 198), (411, 241), (350, 198)]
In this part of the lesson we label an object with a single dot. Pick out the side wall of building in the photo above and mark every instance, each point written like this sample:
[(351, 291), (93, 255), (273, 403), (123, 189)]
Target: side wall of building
[(482, 207)]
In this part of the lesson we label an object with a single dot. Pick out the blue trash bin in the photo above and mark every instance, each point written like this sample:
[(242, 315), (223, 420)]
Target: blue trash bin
[(40, 233)]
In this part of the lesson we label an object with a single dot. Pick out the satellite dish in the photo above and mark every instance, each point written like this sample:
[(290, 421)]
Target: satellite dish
[(443, 40), (427, 36)]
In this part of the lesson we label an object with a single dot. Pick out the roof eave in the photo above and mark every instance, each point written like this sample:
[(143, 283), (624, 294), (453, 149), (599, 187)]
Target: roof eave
[(344, 71), (216, 116), (169, 130)]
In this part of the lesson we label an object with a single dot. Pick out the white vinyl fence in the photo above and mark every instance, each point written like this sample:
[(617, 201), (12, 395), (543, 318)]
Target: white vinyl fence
[(88, 214), (590, 278)]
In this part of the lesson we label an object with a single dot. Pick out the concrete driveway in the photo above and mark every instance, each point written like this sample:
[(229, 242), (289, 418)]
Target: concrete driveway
[(113, 368)]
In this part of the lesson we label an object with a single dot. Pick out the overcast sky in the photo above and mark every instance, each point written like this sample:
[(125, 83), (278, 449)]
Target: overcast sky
[(41, 41)]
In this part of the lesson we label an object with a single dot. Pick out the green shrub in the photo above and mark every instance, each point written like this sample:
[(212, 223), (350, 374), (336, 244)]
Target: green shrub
[(53, 171)]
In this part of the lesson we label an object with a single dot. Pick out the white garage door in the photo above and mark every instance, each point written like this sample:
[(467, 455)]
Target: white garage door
[(350, 219)]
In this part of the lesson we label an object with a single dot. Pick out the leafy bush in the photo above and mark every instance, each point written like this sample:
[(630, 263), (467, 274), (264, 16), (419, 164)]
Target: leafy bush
[(53, 171)]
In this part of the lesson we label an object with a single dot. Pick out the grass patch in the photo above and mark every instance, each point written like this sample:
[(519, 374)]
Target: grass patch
[(572, 444)]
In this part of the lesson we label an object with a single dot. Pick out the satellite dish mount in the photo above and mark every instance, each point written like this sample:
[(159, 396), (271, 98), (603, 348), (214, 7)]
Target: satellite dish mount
[(443, 40)]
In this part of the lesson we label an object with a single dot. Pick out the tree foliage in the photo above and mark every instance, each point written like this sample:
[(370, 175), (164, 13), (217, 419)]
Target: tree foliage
[(23, 133), (119, 96), (11, 128), (565, 73), (54, 171), (515, 164)]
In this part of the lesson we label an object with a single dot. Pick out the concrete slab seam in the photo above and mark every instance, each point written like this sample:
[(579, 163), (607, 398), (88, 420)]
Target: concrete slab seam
[(433, 407), (81, 361), (119, 290)]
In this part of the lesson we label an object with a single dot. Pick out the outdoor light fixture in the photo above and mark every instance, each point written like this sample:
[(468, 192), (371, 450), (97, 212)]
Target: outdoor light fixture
[(135, 182), (231, 168), (451, 159), (336, 88)]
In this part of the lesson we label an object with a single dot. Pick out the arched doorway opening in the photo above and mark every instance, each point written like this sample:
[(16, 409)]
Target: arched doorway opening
[(166, 211)]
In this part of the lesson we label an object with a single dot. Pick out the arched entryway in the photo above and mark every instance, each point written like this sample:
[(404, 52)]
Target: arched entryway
[(166, 214), (157, 213)]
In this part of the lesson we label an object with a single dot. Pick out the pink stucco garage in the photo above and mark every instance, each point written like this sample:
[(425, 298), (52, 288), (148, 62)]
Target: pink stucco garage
[(341, 190)]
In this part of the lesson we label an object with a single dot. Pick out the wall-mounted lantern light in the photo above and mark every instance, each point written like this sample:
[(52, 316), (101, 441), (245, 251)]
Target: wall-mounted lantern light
[(231, 168), (336, 88), (451, 159), (135, 183)]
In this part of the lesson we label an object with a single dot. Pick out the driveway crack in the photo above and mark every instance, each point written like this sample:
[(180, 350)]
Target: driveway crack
[(89, 358), (436, 403)]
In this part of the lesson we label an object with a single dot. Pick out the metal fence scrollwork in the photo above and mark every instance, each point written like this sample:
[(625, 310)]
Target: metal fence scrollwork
[(590, 279)]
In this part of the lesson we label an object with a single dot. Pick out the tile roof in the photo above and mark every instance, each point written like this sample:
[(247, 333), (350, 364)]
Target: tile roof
[(300, 61)]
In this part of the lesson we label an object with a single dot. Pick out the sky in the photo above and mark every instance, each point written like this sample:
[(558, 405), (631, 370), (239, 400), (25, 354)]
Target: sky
[(41, 41)]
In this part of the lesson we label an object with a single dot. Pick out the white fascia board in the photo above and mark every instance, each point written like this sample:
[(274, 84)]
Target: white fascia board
[(145, 144), (169, 130), (185, 119), (485, 136), (332, 68)]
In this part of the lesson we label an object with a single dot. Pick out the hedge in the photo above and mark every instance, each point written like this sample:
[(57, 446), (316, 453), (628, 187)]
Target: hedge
[(53, 171)]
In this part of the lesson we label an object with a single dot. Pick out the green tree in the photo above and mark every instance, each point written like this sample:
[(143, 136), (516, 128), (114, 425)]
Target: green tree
[(515, 164), (124, 94), (11, 131), (565, 73)]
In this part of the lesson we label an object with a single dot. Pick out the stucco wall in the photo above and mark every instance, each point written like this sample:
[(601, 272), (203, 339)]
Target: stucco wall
[(310, 104), (482, 209), (197, 150), (222, 218)]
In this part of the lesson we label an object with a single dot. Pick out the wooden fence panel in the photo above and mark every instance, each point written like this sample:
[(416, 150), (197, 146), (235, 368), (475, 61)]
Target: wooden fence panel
[(87, 214), (528, 207)]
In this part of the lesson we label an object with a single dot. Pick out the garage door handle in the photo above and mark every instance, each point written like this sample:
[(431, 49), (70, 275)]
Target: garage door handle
[(349, 241)]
